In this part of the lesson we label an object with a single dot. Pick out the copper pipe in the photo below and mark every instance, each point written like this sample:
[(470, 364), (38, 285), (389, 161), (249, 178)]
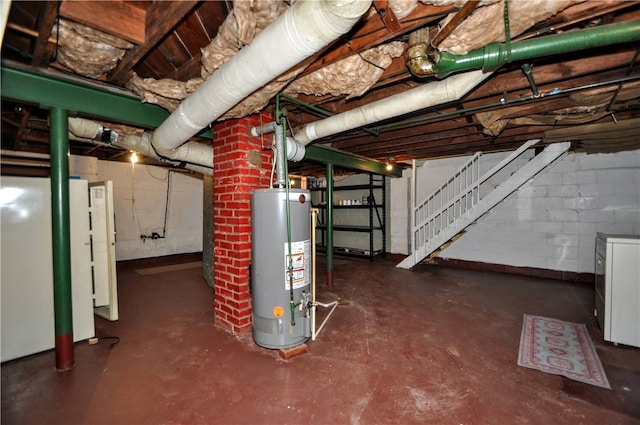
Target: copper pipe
[(416, 58), (421, 55)]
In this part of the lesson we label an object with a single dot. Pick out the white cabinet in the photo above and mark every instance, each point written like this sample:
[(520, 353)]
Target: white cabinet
[(617, 281), (26, 273)]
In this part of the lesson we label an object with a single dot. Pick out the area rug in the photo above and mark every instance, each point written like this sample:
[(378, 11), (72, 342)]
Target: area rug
[(560, 348)]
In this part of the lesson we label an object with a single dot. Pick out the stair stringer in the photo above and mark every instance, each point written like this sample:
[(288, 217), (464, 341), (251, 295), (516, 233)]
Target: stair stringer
[(539, 163)]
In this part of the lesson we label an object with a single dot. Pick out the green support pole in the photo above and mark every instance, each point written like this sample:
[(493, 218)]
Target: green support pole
[(60, 226), (330, 225), (494, 55)]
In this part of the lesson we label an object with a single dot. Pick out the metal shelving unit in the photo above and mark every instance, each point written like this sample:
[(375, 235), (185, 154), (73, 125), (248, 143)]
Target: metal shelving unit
[(376, 200)]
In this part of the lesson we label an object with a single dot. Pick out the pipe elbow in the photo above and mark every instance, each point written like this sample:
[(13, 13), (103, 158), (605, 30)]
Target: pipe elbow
[(420, 57), (418, 62)]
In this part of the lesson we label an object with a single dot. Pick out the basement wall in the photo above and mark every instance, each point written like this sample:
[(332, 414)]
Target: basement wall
[(140, 194), (549, 224)]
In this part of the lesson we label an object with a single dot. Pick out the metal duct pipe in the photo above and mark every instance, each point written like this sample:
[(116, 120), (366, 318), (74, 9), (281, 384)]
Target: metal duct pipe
[(187, 152), (304, 29), (412, 100), (279, 155), (192, 156), (295, 150), (494, 55)]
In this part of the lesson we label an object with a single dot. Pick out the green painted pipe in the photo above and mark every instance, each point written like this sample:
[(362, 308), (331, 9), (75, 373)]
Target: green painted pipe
[(61, 239), (330, 225), (496, 54)]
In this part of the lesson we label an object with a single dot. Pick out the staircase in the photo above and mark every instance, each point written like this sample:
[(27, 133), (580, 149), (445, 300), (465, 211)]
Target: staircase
[(444, 215)]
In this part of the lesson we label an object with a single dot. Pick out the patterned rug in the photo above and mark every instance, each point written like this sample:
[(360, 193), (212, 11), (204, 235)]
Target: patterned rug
[(560, 348)]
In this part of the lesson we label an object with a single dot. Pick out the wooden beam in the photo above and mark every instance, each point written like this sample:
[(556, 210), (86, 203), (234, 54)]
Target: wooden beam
[(118, 18), (373, 32), (388, 17), (161, 18), (47, 19)]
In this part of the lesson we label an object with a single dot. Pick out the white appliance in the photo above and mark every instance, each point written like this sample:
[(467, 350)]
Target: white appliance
[(103, 248), (617, 280), (26, 279)]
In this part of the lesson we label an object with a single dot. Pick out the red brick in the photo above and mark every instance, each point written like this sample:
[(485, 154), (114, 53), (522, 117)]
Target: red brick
[(221, 292), (239, 305)]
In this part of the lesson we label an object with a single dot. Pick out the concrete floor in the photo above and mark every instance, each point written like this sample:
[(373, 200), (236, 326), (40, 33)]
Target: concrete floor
[(436, 345)]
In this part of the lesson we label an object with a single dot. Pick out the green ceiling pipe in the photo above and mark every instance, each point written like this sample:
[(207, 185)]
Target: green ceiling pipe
[(61, 239), (494, 55)]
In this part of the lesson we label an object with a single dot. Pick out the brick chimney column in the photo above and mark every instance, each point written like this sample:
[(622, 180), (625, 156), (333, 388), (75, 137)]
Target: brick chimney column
[(240, 165)]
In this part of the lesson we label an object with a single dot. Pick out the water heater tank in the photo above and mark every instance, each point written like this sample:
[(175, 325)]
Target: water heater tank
[(275, 324)]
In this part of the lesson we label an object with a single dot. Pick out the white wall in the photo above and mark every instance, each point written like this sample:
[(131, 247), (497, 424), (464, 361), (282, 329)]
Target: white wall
[(140, 195), (551, 223)]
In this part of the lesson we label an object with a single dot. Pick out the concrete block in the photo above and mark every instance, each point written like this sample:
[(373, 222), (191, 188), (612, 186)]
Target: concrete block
[(552, 251), (562, 240), (580, 203), (581, 177), (593, 189), (618, 175), (596, 216), (568, 164), (628, 190), (630, 215), (562, 215), (531, 215), (611, 160), (563, 191), (570, 228), (533, 191), (550, 179), (547, 226), (563, 264), (615, 228), (547, 203)]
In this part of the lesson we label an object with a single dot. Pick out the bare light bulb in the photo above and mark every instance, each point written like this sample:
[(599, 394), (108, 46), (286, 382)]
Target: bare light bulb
[(134, 157)]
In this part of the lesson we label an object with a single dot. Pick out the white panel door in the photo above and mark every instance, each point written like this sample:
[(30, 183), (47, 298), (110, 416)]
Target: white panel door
[(103, 242)]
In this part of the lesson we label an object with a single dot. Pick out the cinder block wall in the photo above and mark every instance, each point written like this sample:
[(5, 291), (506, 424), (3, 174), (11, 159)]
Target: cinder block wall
[(140, 196), (551, 223)]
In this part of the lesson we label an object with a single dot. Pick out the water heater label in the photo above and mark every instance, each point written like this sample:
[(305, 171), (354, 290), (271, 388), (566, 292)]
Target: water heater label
[(300, 260)]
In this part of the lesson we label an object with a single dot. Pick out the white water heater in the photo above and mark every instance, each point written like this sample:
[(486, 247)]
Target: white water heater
[(281, 268)]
